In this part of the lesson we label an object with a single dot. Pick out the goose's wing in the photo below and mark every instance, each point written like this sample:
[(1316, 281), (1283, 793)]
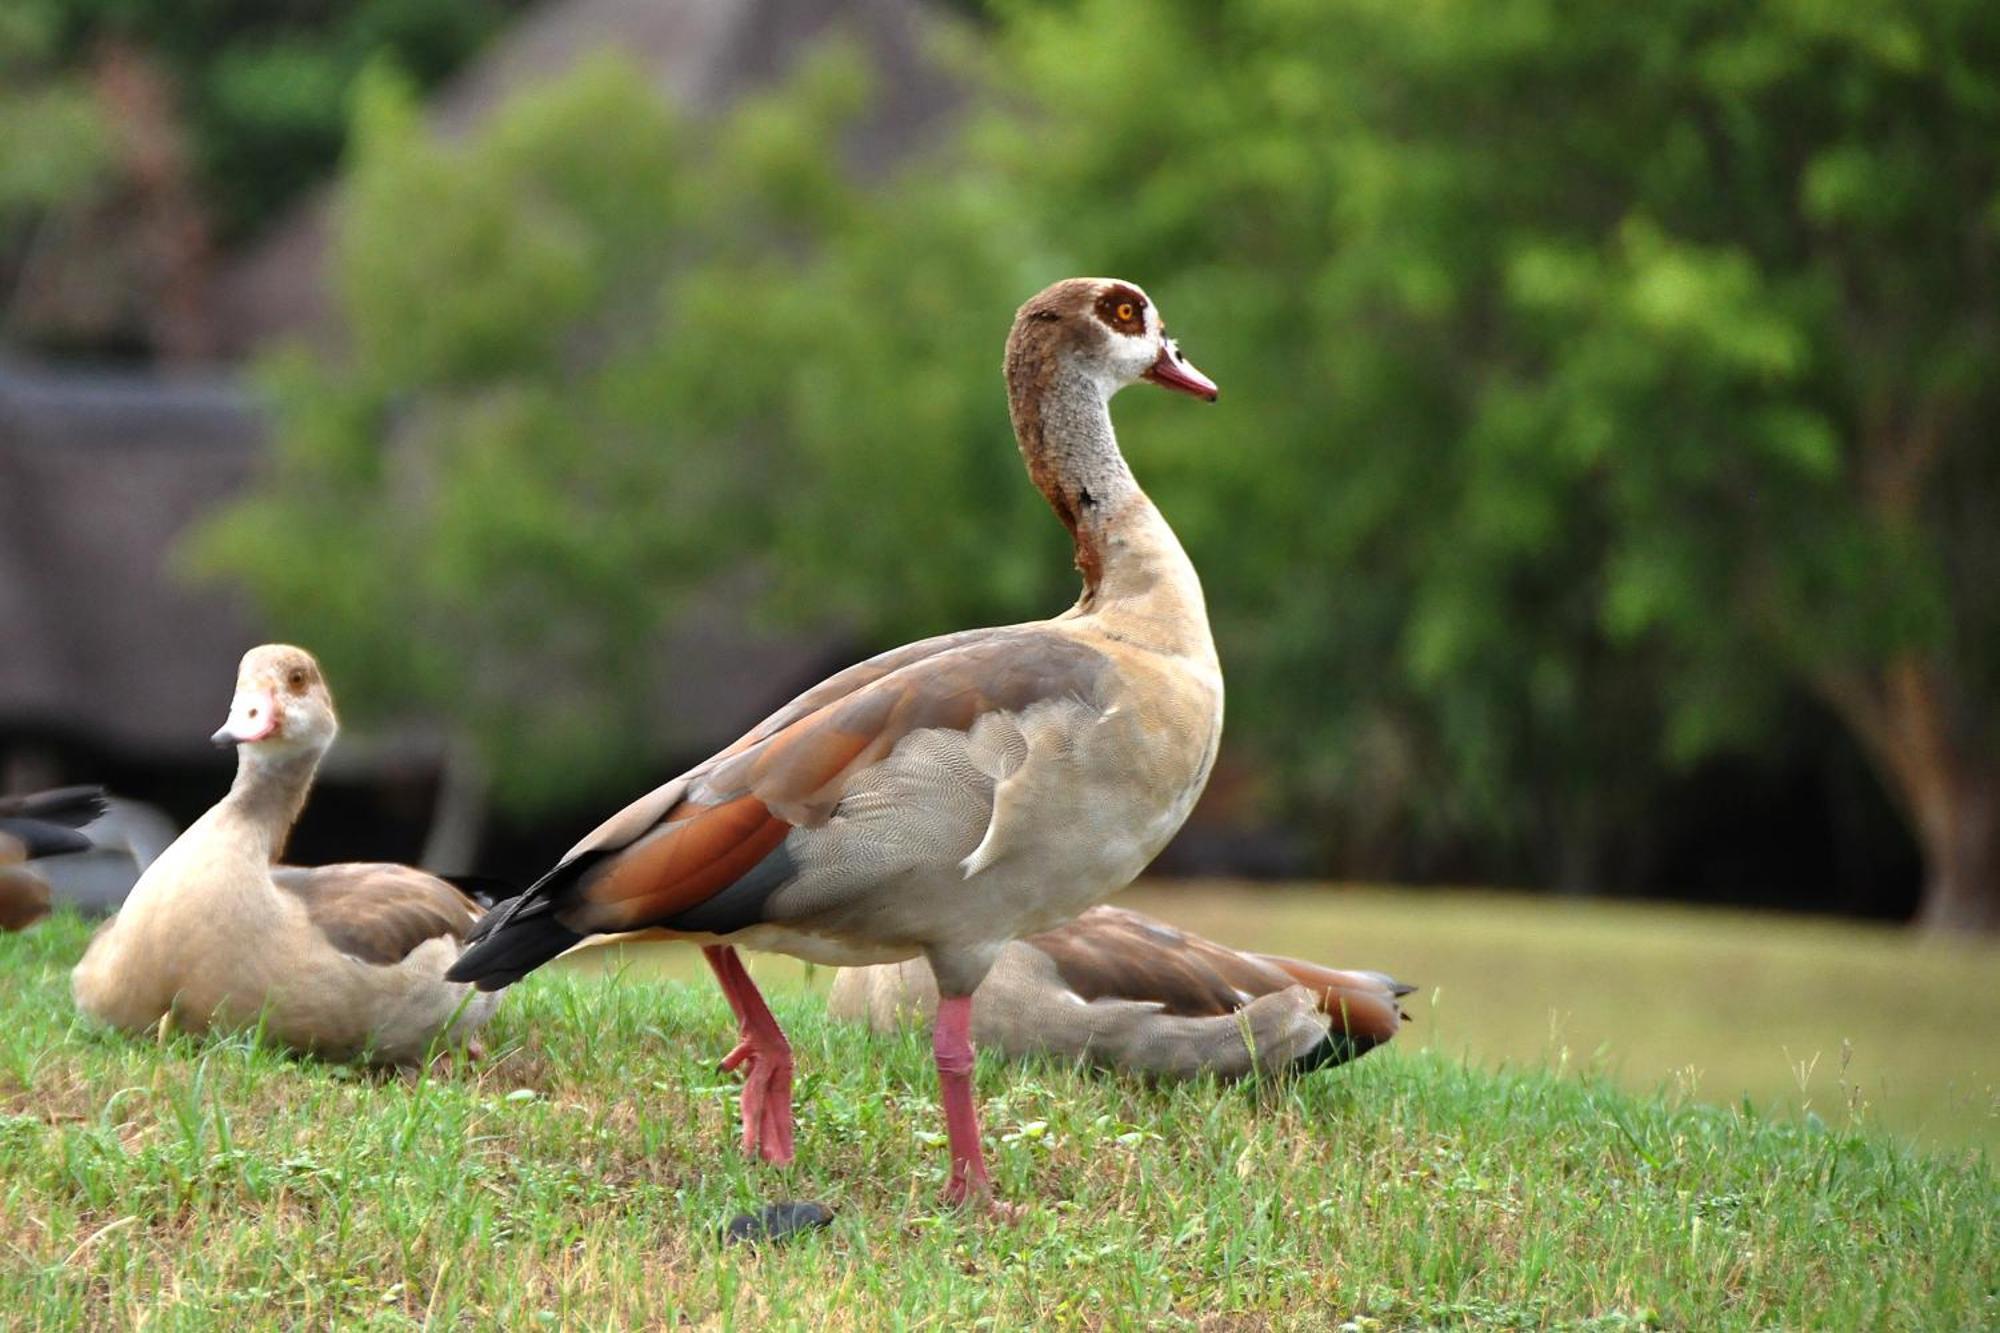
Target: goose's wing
[(378, 912), (24, 899), (26, 839), (1364, 1005), (1114, 953), (72, 807), (45, 823), (706, 852)]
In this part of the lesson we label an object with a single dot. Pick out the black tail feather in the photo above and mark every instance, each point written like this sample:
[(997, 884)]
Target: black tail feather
[(510, 942), (489, 891), (1336, 1048), (71, 807), (39, 837)]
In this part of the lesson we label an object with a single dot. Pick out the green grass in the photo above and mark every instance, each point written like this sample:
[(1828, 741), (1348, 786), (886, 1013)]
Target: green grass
[(577, 1179), (1802, 1015), (1853, 1023)]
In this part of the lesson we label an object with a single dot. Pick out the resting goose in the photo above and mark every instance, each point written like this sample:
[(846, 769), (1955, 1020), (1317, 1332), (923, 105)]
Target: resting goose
[(946, 797), (44, 824), (1126, 992), (343, 961)]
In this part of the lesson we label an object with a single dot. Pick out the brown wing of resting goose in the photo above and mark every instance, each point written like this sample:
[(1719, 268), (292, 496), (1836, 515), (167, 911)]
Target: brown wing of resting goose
[(1111, 952), (705, 852), (1364, 1005), (1130, 992), (378, 912)]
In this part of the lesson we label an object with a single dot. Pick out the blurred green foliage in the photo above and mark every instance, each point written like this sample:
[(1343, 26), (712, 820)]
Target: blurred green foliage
[(52, 146), (1593, 375), (262, 86)]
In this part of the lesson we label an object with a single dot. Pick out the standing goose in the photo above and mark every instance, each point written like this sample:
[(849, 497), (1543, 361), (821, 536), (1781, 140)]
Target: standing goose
[(44, 824), (946, 797), (343, 961), (1129, 993)]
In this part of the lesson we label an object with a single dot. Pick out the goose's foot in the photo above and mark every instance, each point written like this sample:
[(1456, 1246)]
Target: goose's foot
[(766, 1098), (452, 1060), (764, 1058)]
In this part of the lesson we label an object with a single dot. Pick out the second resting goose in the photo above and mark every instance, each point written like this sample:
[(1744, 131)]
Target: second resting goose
[(31, 827), (1130, 993), (947, 797)]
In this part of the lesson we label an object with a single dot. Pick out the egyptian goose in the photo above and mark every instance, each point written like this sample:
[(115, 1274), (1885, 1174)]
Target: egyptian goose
[(343, 961), (1129, 993), (44, 824), (946, 797)]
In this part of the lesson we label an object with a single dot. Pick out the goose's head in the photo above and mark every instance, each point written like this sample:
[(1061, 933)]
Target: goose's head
[(281, 704), (1107, 330)]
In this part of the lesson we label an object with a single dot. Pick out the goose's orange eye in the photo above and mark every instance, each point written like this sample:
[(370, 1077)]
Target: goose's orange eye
[(297, 679), (1125, 311)]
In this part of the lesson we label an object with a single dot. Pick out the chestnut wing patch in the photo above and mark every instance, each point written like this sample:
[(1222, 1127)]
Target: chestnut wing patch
[(378, 913), (712, 848), (1363, 1004)]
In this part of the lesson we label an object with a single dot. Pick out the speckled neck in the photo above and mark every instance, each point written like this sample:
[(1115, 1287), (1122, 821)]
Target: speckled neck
[(1062, 422)]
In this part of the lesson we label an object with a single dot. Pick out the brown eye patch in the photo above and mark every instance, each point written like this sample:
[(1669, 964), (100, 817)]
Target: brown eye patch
[(296, 679), (1123, 309)]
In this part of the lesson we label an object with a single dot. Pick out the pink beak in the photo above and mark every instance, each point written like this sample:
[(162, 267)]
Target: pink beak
[(1171, 370), (253, 716)]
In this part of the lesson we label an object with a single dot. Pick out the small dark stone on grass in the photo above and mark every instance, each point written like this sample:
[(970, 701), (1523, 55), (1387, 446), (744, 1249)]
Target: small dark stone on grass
[(776, 1222)]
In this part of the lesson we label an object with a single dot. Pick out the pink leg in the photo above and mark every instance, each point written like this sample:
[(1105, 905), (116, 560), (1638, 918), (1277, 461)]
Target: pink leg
[(951, 1043), (764, 1056)]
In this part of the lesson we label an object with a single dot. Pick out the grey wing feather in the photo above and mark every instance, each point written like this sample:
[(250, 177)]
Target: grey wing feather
[(378, 912)]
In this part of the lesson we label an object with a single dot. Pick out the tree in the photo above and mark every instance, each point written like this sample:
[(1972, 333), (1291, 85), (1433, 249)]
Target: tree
[(264, 88), (169, 132), (1593, 377), (1684, 313), (529, 453), (54, 150)]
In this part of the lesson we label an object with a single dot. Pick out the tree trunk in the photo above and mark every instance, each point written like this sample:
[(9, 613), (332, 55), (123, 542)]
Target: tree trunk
[(1946, 783), (1960, 838)]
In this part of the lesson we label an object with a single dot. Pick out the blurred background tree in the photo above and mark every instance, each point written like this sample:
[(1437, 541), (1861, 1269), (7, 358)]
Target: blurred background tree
[(1597, 381), (54, 148), (172, 132), (262, 88)]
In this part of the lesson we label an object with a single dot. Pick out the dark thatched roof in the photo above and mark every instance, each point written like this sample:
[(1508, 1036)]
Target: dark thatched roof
[(104, 640), (100, 475)]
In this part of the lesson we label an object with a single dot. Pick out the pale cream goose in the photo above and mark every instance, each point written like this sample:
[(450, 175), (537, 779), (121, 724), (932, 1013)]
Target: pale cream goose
[(1126, 992), (946, 797), (343, 961), (31, 827)]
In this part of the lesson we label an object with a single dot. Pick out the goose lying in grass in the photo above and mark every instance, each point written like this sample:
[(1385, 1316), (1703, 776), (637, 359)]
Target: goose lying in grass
[(31, 827), (343, 961), (1129, 993), (947, 797)]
